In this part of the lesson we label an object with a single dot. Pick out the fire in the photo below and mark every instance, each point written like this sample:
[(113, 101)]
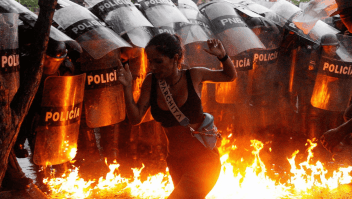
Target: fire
[(142, 73), (321, 93), (224, 92), (72, 186), (154, 187), (317, 178), (307, 180)]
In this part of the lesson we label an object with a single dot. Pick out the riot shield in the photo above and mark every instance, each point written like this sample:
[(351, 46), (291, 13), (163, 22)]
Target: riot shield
[(285, 9), (344, 50), (196, 56), (9, 53), (139, 36), (29, 18), (104, 101), (58, 128), (125, 19), (169, 28), (229, 27), (268, 33), (256, 7), (321, 28), (139, 68), (199, 27), (194, 36), (83, 26), (289, 12), (312, 12), (162, 12), (266, 12), (332, 89), (261, 77), (121, 15), (236, 91)]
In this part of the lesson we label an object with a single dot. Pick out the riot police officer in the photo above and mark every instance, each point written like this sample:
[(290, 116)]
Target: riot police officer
[(320, 118), (55, 56)]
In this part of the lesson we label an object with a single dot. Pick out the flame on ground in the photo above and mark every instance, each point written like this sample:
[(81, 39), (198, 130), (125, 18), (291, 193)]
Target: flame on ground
[(307, 180)]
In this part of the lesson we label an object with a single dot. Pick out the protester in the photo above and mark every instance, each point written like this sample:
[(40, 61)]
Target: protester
[(194, 169)]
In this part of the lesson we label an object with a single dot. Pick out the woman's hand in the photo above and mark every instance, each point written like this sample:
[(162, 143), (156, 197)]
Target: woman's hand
[(124, 75), (215, 48)]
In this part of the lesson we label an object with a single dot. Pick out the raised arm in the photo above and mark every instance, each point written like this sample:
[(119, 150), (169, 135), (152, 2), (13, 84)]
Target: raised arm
[(228, 72), (135, 111)]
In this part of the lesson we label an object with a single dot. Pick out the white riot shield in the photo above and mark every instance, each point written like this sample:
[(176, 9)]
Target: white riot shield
[(83, 26), (58, 126), (265, 11), (198, 29), (194, 36), (161, 13), (9, 53), (229, 27), (121, 15), (139, 36), (312, 12), (289, 12), (332, 89), (29, 18), (169, 28)]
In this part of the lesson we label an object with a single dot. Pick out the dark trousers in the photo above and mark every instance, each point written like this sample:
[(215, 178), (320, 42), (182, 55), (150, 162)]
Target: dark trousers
[(194, 177)]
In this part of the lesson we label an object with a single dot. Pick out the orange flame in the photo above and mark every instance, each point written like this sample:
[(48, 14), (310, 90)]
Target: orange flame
[(320, 97), (142, 74), (306, 181)]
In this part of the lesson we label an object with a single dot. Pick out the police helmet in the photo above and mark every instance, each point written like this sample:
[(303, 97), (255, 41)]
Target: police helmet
[(56, 49), (55, 54), (329, 40), (254, 22)]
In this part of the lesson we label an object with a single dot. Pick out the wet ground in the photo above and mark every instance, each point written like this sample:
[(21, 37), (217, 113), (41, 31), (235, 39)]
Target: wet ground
[(28, 166)]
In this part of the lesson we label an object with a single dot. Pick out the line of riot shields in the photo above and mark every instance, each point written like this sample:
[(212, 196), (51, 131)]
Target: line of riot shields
[(276, 87)]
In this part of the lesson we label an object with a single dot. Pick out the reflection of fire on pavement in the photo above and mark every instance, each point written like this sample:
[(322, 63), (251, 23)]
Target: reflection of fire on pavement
[(305, 180)]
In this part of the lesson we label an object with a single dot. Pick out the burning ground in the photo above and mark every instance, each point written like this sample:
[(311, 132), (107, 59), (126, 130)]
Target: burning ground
[(247, 172)]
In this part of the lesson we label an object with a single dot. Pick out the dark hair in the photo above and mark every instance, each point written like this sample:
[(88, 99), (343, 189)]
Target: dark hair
[(167, 44)]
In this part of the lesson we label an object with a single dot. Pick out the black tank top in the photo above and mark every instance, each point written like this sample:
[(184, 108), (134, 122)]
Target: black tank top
[(192, 108)]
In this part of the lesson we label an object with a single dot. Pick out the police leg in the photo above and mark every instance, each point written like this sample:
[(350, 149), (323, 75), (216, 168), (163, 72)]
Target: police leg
[(88, 156), (109, 142), (87, 147), (160, 142), (145, 140), (134, 142), (303, 112), (316, 128)]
